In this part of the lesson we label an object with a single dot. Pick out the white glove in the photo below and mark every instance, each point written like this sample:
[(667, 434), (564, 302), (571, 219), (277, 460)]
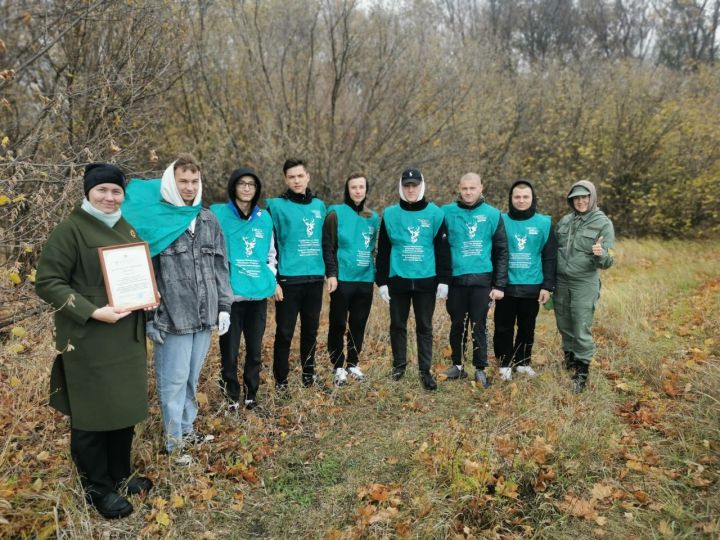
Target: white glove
[(384, 294), (223, 323), (442, 291)]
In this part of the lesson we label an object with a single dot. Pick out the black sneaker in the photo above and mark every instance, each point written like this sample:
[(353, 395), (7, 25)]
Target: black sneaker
[(481, 378), (282, 391), (136, 484), (428, 381), (397, 373), (250, 404), (112, 505), (455, 372), (308, 380)]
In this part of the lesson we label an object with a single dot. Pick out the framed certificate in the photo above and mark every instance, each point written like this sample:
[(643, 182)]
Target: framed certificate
[(128, 275)]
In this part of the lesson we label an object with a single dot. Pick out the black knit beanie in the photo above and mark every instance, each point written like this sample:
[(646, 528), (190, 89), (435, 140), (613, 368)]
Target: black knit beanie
[(102, 173)]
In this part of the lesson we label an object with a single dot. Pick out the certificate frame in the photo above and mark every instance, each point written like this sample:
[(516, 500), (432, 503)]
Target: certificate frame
[(128, 276)]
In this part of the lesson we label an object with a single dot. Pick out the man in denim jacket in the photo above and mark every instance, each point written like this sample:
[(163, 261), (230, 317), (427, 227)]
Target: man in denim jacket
[(194, 284)]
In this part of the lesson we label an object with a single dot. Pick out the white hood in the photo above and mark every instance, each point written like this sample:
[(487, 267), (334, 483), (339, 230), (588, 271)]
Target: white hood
[(171, 194)]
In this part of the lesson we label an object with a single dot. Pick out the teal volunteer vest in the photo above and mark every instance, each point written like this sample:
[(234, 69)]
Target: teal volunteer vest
[(298, 229), (248, 244), (356, 238), (470, 234), (412, 235), (526, 240)]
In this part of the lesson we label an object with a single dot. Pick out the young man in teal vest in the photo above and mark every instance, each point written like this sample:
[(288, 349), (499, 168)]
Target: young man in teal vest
[(248, 231), (478, 249), (349, 237), (531, 278), (298, 220), (413, 267)]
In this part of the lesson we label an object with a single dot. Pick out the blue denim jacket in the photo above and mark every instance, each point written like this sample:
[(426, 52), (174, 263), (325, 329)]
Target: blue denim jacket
[(193, 280)]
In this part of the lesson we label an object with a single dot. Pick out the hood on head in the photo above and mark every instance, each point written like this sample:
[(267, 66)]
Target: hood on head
[(169, 189), (522, 182), (236, 175), (590, 187), (406, 177), (348, 200)]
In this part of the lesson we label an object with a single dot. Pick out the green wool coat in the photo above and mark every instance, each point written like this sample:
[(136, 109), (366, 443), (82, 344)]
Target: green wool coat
[(99, 378)]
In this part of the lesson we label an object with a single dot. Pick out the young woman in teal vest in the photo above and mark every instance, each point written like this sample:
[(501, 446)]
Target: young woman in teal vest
[(349, 237), (531, 278), (298, 220), (248, 232), (413, 267)]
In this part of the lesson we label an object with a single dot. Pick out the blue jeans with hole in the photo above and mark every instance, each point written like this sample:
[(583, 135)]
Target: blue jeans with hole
[(178, 362)]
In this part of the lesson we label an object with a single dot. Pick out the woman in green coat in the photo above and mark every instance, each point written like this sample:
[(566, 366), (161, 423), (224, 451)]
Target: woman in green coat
[(99, 377)]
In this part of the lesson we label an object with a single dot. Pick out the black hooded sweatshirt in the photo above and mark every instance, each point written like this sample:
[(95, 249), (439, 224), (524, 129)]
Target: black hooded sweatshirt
[(549, 252), (232, 182)]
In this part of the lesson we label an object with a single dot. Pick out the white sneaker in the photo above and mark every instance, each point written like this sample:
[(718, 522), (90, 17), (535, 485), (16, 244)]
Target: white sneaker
[(340, 377), (505, 374), (233, 406), (527, 370), (183, 460), (356, 374)]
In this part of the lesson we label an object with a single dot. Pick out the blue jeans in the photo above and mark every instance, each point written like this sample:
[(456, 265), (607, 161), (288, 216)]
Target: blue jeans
[(178, 362)]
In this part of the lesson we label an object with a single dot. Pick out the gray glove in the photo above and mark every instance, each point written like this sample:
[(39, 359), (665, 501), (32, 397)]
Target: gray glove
[(153, 334)]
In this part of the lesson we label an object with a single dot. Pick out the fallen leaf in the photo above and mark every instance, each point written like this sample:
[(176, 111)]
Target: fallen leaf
[(601, 491), (664, 529), (19, 332), (578, 507), (162, 518)]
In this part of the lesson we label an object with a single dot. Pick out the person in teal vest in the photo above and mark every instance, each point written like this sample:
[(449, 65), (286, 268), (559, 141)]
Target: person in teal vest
[(413, 268), (478, 249), (99, 377), (349, 238), (585, 239), (297, 217), (248, 232), (531, 278)]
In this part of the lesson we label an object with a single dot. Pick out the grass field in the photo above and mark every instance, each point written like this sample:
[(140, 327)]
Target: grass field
[(636, 456)]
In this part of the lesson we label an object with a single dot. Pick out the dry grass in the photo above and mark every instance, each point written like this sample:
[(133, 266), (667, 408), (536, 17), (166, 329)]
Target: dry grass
[(635, 456)]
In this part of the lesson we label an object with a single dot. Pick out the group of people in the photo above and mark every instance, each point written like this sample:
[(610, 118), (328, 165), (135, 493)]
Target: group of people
[(217, 268)]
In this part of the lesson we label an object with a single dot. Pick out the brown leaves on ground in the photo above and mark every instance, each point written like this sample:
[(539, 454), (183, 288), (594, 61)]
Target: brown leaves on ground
[(381, 503)]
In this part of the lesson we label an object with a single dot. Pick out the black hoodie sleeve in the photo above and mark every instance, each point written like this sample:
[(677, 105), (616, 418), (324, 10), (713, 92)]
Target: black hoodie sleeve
[(329, 244), (549, 261), (500, 257), (277, 246), (382, 261), (443, 263)]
